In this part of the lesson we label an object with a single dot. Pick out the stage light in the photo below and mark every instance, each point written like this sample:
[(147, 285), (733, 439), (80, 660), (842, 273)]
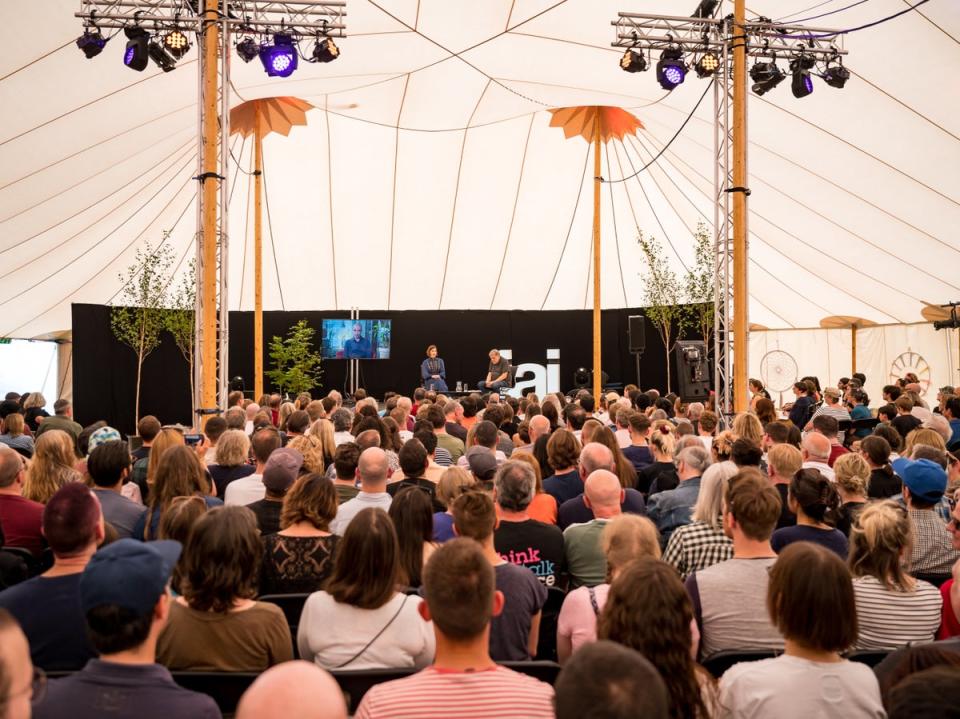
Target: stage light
[(248, 49), (279, 59), (836, 76), (91, 42), (163, 59), (176, 43), (325, 50), (707, 64), (802, 83), (633, 61), (765, 76), (671, 69), (136, 53)]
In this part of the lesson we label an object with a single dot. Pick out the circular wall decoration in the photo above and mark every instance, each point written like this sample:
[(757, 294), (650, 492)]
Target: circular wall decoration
[(911, 361), (778, 370)]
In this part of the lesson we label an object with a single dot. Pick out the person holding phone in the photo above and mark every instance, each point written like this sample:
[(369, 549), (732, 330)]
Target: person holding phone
[(432, 371)]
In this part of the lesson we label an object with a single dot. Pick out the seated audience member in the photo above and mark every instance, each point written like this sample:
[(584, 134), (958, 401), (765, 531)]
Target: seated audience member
[(583, 555), (815, 501), (145, 470), (20, 682), (543, 508), (830, 428), (428, 439), (177, 523), (746, 426), (178, 474), (815, 449), (783, 462), (51, 467), (217, 625), (648, 610), (360, 620), (62, 419), (279, 474), (746, 453), (608, 677), (482, 465), (703, 543), (233, 450), (563, 453), (707, 428), (810, 598), (932, 551), (33, 404), (596, 456), (123, 594), (950, 590), (108, 466), (728, 597), (905, 422), (20, 518), (412, 514), (236, 418), (831, 407), (48, 607), (624, 539), (438, 421), (454, 482), (907, 661), (461, 599), (893, 608), (372, 469), (853, 475), (515, 632), (293, 690), (299, 558), (249, 488), (931, 693), (519, 539), (672, 508), (345, 462), (14, 435), (622, 466), (413, 464), (802, 408), (883, 482), (317, 446), (662, 474)]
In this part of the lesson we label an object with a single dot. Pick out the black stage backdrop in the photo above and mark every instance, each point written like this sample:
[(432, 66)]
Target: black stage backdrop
[(105, 371)]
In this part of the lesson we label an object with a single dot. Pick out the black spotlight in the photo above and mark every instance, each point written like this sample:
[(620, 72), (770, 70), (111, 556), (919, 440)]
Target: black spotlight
[(237, 384), (581, 378), (91, 42), (633, 61), (163, 59), (765, 76), (176, 43), (836, 76), (707, 64), (248, 49), (325, 50), (802, 84), (136, 55), (671, 69)]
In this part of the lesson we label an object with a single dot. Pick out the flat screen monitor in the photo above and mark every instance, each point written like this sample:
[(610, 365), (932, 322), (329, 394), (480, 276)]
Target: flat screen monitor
[(355, 339)]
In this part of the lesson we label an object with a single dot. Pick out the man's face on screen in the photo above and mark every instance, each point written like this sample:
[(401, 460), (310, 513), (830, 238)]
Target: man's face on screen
[(356, 332)]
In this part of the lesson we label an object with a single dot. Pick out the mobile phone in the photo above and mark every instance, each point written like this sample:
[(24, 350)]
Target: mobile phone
[(192, 439)]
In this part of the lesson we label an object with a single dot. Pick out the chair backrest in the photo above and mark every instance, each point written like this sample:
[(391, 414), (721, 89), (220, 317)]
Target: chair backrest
[(718, 663), (937, 580), (355, 683), (547, 642), (871, 659), (225, 688), (542, 670), (291, 604)]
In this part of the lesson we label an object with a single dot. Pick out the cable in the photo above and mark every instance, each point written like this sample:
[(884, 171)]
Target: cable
[(812, 36), (670, 141), (825, 14)]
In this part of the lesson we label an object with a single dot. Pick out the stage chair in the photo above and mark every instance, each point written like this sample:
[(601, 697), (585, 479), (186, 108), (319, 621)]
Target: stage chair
[(357, 682), (547, 642), (225, 688), (718, 663), (870, 658), (544, 671)]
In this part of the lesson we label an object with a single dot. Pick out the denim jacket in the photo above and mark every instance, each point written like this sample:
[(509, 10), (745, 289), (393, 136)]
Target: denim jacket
[(672, 508)]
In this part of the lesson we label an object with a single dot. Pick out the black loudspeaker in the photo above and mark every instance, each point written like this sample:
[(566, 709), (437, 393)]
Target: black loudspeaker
[(693, 371), (637, 325)]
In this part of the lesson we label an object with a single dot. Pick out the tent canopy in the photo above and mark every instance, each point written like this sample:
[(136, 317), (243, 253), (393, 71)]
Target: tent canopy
[(429, 177)]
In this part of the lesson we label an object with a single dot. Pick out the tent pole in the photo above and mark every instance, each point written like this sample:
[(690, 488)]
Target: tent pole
[(740, 317), (597, 371), (853, 348), (258, 259)]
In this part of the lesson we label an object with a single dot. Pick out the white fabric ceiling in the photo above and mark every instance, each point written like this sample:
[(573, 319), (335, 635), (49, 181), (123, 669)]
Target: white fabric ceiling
[(430, 180)]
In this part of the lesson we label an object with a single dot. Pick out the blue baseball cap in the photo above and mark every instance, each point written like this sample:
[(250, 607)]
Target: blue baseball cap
[(129, 574), (925, 479)]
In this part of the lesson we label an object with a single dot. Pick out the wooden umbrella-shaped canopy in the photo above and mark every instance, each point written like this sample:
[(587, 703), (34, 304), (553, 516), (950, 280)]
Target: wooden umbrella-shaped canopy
[(595, 124), (259, 118), (836, 322)]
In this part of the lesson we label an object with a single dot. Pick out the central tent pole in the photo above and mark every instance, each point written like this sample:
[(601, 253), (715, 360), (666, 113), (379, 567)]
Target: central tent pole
[(596, 260), (740, 318), (258, 259)]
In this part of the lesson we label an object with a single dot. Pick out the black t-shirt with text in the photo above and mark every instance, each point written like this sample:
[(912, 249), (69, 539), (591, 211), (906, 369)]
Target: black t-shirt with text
[(534, 545)]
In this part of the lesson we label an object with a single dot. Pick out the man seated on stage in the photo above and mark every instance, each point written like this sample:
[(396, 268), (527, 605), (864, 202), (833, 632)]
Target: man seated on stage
[(359, 346), (498, 373)]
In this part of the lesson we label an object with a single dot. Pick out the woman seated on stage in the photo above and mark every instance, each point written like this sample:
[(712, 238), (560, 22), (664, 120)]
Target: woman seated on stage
[(432, 371)]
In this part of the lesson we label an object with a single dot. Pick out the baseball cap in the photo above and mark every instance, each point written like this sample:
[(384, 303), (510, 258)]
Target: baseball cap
[(482, 462), (281, 469), (925, 479), (129, 573)]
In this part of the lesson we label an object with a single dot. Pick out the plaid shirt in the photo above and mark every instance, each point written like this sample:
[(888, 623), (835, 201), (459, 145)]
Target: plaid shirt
[(697, 546), (932, 551)]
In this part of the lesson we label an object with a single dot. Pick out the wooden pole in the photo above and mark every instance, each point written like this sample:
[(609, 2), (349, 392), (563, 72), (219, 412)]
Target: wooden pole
[(597, 366), (853, 348), (211, 167), (740, 313), (258, 260)]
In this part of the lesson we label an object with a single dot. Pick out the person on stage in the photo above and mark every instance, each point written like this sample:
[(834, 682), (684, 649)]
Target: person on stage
[(359, 346), (498, 373), (432, 371)]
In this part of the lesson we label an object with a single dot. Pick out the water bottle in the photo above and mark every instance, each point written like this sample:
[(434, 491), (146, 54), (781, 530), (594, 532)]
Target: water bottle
[(459, 386)]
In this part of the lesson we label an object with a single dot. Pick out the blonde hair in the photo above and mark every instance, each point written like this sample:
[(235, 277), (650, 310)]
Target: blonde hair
[(166, 439), (713, 488), (454, 482), (665, 442), (36, 399), (878, 539), (853, 473), (14, 424), (286, 409), (747, 426), (924, 436), (311, 447), (233, 448), (627, 537), (722, 446), (785, 459), (52, 466)]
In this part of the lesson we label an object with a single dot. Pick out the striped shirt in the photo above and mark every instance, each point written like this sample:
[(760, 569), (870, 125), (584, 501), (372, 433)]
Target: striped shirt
[(697, 546), (836, 411), (488, 694), (889, 619)]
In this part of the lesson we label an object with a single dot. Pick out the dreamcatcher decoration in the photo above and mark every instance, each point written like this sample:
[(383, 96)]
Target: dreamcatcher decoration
[(778, 370)]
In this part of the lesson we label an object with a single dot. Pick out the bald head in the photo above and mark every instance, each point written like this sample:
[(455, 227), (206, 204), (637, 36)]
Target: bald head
[(368, 438), (373, 469), (539, 426), (816, 447), (595, 456), (11, 467), (603, 493), (252, 410), (293, 690)]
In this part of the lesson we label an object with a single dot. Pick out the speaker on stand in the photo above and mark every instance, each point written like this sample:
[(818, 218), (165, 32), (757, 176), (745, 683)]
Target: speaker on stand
[(693, 373), (636, 327)]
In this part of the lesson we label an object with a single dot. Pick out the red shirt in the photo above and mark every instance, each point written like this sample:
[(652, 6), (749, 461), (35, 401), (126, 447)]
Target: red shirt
[(836, 450), (949, 624), (21, 520)]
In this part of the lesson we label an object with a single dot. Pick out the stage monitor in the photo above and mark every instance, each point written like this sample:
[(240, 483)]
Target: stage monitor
[(355, 339)]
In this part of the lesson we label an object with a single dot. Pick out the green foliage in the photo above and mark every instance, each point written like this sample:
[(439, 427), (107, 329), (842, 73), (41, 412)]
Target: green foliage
[(179, 319), (698, 284), (296, 366)]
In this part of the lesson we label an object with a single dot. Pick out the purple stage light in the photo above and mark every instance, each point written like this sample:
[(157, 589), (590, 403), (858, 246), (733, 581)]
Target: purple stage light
[(279, 59), (671, 69)]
